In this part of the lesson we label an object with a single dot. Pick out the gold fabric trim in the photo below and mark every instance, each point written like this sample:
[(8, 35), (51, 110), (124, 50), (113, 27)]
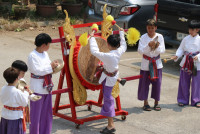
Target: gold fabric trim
[(115, 90), (79, 92)]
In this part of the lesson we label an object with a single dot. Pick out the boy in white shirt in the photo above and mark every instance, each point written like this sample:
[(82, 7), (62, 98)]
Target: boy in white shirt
[(190, 66), (13, 100), (151, 45), (41, 69), (22, 67), (109, 76)]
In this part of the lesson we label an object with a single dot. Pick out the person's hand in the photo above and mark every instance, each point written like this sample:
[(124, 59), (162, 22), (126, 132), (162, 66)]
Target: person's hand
[(92, 34), (195, 58), (54, 64), (151, 44), (121, 29), (174, 57), (28, 90)]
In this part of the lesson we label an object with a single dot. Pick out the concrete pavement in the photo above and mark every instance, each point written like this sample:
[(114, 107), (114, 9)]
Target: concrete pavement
[(170, 120)]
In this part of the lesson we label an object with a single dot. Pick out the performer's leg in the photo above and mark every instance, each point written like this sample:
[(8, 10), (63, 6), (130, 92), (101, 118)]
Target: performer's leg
[(184, 88), (110, 123), (156, 87), (3, 126), (35, 114), (108, 108), (143, 88), (46, 115), (11, 126), (195, 93)]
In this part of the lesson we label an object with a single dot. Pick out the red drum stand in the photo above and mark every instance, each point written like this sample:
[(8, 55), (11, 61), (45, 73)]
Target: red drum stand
[(72, 105)]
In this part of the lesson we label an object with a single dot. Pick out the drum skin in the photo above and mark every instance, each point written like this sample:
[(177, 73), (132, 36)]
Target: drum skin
[(85, 63)]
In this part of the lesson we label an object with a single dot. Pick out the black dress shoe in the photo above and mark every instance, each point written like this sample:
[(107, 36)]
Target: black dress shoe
[(107, 131), (122, 82)]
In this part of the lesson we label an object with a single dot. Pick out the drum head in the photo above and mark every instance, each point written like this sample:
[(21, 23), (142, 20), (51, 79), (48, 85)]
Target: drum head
[(86, 63)]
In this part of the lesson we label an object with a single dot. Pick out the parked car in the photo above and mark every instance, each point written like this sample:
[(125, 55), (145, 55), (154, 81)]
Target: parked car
[(173, 17), (127, 13)]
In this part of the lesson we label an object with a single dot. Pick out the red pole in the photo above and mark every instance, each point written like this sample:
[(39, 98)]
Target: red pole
[(118, 104), (60, 85), (100, 96)]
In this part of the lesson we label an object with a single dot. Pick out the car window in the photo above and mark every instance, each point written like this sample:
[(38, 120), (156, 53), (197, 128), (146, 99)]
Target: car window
[(190, 1)]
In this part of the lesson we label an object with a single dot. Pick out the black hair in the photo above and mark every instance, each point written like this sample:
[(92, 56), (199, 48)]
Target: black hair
[(194, 24), (11, 74), (21, 65), (151, 22), (114, 40), (42, 38)]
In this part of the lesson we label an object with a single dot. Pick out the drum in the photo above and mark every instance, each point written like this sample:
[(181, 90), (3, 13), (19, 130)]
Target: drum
[(85, 63)]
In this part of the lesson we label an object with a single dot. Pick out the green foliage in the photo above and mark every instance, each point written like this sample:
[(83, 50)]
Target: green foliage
[(5, 11), (19, 29)]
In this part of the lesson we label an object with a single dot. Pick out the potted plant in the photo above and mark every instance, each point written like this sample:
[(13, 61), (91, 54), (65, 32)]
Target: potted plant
[(21, 9), (73, 7), (6, 6), (46, 8)]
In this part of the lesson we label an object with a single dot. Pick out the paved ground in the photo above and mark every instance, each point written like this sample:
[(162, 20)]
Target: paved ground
[(171, 120)]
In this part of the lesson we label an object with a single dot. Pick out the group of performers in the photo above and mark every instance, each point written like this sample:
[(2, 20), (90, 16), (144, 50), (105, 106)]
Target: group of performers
[(41, 69), (151, 66), (151, 45)]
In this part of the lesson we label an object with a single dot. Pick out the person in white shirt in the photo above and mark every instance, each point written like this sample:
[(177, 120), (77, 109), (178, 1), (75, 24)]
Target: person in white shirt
[(109, 76), (151, 45), (13, 99), (41, 69), (23, 68), (190, 66)]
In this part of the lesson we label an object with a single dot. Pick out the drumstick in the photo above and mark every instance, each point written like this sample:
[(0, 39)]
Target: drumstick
[(114, 23), (132, 35), (167, 59), (83, 39), (93, 31), (111, 19)]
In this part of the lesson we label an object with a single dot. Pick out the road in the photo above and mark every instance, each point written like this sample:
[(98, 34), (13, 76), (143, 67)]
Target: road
[(170, 120)]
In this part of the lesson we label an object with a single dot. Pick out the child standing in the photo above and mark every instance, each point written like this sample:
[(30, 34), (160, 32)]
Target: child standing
[(13, 100), (117, 47), (190, 66), (151, 65), (22, 67), (41, 68)]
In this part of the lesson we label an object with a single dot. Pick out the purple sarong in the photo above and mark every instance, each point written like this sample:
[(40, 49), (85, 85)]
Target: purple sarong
[(11, 126), (41, 115), (184, 88), (144, 82), (108, 108)]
